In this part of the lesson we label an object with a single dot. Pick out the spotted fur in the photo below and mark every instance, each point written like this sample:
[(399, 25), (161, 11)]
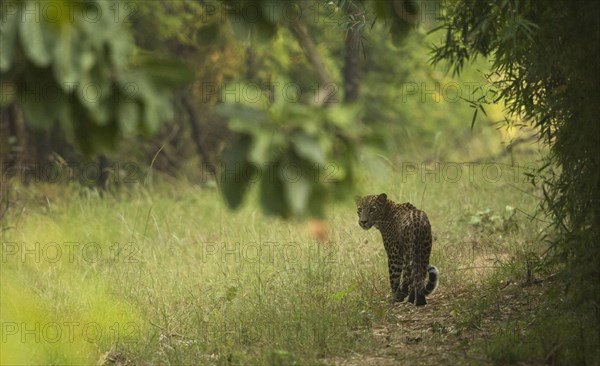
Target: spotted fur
[(406, 234)]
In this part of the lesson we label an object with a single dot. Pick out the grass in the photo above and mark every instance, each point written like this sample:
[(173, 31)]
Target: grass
[(165, 274)]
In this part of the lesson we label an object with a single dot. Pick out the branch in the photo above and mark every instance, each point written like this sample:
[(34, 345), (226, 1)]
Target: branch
[(313, 56), (193, 120)]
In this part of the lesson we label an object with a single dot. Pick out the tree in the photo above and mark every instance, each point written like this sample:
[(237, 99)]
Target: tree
[(545, 57), (75, 61), (303, 153), (57, 47)]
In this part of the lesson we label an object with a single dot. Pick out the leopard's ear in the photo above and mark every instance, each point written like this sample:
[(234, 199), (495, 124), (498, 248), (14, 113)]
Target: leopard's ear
[(382, 197), (357, 199)]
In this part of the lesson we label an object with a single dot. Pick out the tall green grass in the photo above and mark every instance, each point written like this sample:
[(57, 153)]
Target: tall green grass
[(165, 274)]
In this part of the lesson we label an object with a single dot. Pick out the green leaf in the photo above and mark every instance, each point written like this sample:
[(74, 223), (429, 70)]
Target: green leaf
[(262, 147), (343, 293), (92, 88), (64, 67), (128, 113), (151, 121), (243, 117), (482, 108), (344, 116), (473, 120), (8, 37), (164, 107), (87, 58), (120, 48), (298, 185), (103, 112), (71, 58), (308, 148), (155, 106), (35, 36)]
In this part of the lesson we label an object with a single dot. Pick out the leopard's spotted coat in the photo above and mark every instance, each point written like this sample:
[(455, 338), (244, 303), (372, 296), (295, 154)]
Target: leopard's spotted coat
[(406, 234)]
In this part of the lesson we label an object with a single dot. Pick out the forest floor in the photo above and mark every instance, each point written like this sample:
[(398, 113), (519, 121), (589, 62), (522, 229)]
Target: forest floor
[(439, 334)]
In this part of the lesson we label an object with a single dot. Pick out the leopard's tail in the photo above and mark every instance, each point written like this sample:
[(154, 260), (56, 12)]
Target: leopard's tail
[(432, 279)]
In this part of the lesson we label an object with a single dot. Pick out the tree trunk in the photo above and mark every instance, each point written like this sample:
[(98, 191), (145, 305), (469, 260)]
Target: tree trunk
[(15, 124), (103, 173), (324, 94), (351, 70), (193, 120), (250, 64)]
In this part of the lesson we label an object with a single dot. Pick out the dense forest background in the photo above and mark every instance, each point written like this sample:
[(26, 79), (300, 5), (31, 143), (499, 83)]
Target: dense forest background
[(230, 67)]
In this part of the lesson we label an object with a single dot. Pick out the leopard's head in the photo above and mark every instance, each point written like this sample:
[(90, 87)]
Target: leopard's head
[(371, 209)]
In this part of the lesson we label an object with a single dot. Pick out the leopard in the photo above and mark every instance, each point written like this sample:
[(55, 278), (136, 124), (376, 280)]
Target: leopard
[(407, 239)]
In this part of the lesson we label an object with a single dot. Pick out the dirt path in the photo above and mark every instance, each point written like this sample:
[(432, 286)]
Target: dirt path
[(436, 334)]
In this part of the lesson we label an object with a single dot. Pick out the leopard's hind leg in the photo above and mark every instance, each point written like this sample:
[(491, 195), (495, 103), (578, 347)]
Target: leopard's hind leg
[(419, 273), (405, 285)]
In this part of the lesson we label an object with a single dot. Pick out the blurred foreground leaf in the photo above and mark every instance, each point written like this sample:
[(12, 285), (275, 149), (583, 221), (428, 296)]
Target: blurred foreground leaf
[(301, 155), (85, 73)]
